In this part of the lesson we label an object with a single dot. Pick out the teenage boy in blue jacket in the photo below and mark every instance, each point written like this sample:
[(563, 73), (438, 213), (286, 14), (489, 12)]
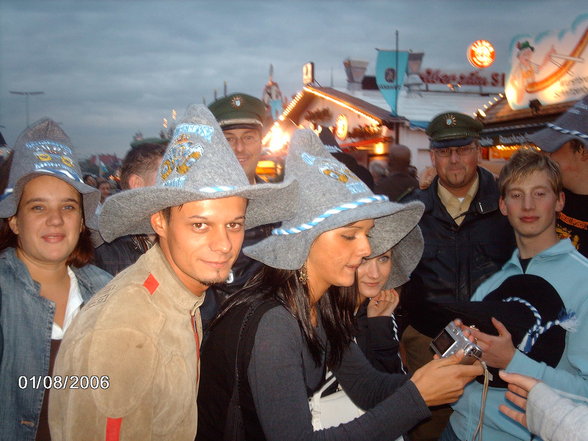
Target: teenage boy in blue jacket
[(531, 197)]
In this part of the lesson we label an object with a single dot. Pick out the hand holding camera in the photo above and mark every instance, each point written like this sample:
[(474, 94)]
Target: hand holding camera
[(441, 381), (497, 350), (452, 339)]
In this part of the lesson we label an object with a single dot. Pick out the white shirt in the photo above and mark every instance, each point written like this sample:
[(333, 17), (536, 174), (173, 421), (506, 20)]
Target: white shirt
[(74, 304)]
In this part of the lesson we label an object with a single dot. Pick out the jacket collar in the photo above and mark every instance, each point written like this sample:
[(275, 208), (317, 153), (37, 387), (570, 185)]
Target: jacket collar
[(87, 281), (18, 267), (485, 201), (563, 246), (182, 298)]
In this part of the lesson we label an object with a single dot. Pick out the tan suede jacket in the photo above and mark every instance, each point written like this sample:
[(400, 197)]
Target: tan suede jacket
[(133, 354)]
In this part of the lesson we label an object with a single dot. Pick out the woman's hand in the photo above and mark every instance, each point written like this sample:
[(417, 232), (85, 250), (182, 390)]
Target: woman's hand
[(518, 389), (441, 381), (384, 304)]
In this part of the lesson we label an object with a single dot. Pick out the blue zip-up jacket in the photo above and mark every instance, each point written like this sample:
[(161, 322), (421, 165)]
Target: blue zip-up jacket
[(26, 320), (567, 271)]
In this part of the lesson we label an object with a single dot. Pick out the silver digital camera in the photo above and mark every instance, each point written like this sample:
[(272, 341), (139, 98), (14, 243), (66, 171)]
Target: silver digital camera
[(451, 340)]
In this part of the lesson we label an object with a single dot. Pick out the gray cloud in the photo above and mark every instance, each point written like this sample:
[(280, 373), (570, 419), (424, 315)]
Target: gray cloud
[(111, 68)]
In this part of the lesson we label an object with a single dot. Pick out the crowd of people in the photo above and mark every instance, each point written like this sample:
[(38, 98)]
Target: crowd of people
[(202, 303)]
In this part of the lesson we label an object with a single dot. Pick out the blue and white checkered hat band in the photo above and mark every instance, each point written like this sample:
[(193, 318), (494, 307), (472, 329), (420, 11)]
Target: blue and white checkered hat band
[(539, 328), (317, 220), (333, 148), (217, 189), (567, 132)]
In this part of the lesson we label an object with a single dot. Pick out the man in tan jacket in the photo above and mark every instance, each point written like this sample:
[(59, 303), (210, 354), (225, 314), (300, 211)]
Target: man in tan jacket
[(129, 365)]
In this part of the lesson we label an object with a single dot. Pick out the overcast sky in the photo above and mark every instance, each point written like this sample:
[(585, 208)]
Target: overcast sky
[(111, 68)]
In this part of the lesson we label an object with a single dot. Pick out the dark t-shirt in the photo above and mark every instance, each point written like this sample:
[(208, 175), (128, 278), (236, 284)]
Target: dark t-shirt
[(573, 221)]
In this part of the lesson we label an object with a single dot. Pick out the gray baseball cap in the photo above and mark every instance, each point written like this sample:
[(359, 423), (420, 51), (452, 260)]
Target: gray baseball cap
[(331, 196), (44, 149), (198, 165)]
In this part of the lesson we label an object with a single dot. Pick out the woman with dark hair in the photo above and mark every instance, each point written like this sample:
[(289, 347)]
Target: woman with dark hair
[(272, 343), (45, 272)]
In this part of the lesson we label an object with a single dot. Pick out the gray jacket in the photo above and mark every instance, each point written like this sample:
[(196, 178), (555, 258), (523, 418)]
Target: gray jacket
[(554, 417)]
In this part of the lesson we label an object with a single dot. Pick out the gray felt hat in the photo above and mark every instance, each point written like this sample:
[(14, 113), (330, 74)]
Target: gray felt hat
[(332, 197), (198, 165), (406, 255), (45, 149), (573, 124)]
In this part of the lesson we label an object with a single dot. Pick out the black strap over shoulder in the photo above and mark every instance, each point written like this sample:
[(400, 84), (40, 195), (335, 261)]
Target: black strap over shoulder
[(234, 427)]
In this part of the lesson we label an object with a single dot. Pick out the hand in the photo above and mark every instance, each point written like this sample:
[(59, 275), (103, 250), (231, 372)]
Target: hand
[(518, 390), (441, 381), (384, 304), (497, 350)]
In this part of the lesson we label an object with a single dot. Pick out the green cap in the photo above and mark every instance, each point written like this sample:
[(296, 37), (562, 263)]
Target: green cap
[(525, 45), (453, 129), (238, 111)]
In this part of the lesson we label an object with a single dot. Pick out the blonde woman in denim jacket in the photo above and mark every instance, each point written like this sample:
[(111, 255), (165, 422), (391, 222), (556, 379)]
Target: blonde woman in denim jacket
[(45, 275)]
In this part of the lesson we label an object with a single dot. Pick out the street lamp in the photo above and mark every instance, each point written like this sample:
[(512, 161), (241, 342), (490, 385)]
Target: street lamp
[(26, 94)]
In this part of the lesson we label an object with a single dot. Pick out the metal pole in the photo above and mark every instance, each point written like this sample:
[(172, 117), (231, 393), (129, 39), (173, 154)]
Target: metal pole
[(396, 128), (26, 95)]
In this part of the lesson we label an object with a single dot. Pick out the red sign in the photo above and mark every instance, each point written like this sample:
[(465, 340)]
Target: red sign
[(481, 54)]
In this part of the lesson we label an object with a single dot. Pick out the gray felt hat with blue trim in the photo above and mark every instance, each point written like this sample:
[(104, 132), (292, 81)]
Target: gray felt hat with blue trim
[(332, 197), (198, 165), (44, 149)]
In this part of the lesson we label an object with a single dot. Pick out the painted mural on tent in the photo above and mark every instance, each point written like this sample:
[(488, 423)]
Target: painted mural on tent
[(551, 67)]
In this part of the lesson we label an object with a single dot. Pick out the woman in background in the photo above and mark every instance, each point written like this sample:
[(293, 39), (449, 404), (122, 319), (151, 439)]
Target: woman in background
[(377, 330)]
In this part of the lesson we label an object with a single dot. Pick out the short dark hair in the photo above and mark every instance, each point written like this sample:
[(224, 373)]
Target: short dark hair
[(526, 161), (576, 145), (140, 160), (166, 213)]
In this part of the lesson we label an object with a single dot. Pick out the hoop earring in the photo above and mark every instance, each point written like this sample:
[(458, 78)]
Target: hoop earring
[(303, 275)]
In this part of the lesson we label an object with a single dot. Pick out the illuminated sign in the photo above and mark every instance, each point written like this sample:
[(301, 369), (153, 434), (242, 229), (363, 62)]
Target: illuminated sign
[(342, 126), (550, 68), (481, 54), (437, 76)]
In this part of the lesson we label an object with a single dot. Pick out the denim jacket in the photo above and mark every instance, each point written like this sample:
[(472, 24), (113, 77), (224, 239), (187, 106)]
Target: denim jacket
[(26, 320)]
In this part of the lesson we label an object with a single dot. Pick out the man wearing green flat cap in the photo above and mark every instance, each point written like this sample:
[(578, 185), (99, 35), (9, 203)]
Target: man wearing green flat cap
[(467, 239), (241, 118)]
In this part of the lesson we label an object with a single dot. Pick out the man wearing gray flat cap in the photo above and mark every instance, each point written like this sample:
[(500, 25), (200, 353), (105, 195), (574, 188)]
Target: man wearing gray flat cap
[(135, 351)]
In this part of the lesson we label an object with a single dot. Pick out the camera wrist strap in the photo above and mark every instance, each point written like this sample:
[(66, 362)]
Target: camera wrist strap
[(487, 377)]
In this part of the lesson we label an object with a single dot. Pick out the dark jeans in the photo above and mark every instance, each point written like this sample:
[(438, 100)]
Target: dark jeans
[(448, 434)]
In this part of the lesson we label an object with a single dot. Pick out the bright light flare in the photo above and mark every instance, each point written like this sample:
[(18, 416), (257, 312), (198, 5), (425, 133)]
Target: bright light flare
[(481, 54), (278, 139)]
